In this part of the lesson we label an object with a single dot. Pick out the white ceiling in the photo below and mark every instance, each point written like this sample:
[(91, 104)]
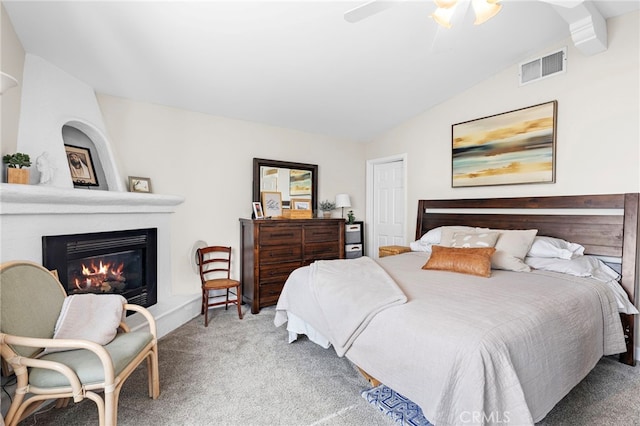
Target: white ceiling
[(293, 64)]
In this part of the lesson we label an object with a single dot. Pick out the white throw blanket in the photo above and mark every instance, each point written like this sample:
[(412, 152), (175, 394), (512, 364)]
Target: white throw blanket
[(337, 284), (90, 317)]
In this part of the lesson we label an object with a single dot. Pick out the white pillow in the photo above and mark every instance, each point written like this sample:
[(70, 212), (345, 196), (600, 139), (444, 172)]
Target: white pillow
[(587, 266), (511, 248), (420, 246), (554, 247), (425, 242), (432, 236), (583, 266)]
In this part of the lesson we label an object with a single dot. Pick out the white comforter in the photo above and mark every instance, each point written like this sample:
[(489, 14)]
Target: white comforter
[(472, 350)]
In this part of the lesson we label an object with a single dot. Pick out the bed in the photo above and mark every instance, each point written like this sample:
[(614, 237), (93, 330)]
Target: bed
[(470, 349)]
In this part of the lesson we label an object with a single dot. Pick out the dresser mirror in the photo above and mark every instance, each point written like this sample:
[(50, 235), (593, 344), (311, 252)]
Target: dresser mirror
[(292, 180)]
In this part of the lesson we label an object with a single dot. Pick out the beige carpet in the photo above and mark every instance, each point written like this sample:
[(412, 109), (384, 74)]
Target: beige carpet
[(243, 372)]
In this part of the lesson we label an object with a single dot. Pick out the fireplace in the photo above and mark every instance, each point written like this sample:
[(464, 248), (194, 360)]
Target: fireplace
[(116, 262)]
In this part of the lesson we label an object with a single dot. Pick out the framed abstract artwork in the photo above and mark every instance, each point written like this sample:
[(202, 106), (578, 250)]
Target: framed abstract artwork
[(514, 147), (300, 182)]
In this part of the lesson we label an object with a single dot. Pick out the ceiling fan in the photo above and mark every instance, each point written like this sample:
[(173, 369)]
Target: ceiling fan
[(484, 9), (443, 15)]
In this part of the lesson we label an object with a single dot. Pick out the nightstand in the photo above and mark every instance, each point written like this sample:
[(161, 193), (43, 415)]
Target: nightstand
[(392, 250), (354, 240)]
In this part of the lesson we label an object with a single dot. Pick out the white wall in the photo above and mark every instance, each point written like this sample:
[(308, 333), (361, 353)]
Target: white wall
[(598, 141), (208, 160), (51, 99), (12, 63)]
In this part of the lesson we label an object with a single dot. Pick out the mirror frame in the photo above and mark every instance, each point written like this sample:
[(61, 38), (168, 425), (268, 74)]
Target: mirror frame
[(313, 168)]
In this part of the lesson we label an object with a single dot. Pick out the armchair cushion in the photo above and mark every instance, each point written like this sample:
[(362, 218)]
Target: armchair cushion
[(123, 349)]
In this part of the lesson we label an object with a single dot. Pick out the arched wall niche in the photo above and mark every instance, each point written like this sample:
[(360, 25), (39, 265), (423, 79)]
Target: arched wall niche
[(83, 134)]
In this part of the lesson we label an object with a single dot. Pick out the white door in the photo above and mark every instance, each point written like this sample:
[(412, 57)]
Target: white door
[(387, 205)]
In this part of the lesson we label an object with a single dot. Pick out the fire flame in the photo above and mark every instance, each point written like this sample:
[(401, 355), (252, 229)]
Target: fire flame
[(97, 275)]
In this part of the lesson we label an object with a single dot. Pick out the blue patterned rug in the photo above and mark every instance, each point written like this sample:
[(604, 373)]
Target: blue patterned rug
[(399, 408)]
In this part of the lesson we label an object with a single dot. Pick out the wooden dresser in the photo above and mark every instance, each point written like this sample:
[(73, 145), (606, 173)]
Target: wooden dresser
[(271, 249)]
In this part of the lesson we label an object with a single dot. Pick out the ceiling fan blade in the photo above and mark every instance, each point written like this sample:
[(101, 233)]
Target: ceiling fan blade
[(367, 9)]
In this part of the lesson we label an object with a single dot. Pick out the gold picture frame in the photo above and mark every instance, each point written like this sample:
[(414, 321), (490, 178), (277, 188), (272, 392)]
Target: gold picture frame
[(300, 208), (139, 184), (271, 204), (300, 204)]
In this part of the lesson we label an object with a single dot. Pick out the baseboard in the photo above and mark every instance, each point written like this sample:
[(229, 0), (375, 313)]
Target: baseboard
[(169, 316)]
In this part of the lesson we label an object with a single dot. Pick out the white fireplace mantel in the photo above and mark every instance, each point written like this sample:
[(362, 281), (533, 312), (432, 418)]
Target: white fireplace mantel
[(51, 99), (29, 212), (39, 199)]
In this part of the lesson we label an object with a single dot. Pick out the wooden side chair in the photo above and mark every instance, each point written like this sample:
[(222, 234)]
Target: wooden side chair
[(31, 301), (215, 274)]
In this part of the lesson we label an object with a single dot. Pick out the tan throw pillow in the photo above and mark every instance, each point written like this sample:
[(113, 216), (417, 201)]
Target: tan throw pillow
[(473, 261), (475, 239), (447, 232), (511, 248)]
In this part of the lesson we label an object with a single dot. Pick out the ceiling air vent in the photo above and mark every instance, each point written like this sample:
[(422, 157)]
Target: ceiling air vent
[(545, 66)]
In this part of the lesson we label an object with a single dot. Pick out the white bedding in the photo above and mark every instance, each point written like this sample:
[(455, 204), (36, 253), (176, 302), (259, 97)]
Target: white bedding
[(472, 350), (335, 284)]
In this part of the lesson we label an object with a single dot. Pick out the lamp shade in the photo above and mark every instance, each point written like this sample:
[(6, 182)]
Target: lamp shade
[(485, 10), (342, 200), (443, 16), (445, 4)]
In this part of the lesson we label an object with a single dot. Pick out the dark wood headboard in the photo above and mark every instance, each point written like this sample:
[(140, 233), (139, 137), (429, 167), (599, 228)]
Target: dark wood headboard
[(606, 225)]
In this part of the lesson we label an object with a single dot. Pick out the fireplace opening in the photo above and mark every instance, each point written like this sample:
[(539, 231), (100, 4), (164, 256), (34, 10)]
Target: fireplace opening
[(116, 262)]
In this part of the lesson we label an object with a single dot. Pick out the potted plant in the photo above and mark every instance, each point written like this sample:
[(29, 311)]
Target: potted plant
[(16, 163), (327, 206), (351, 218)]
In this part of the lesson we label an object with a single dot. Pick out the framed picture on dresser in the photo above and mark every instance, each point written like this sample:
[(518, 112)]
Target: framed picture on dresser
[(300, 204), (271, 204), (257, 210)]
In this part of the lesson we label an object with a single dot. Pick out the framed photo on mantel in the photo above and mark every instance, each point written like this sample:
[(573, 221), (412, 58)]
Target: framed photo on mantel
[(81, 166), (139, 184)]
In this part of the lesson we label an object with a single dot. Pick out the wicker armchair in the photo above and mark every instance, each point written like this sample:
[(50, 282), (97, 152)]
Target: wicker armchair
[(30, 302)]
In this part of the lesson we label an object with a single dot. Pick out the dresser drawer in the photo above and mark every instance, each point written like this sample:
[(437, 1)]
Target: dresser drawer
[(276, 235), (270, 293), (272, 249), (318, 234), (319, 251), (279, 254), (276, 273)]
